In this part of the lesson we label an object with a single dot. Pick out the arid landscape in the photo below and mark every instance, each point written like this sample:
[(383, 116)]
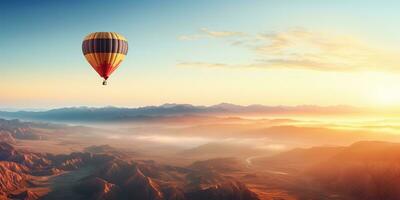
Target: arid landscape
[(181, 155), (199, 100)]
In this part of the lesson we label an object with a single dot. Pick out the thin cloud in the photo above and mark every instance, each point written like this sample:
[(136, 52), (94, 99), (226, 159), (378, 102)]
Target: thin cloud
[(221, 34), (206, 33), (202, 64), (310, 50), (191, 37)]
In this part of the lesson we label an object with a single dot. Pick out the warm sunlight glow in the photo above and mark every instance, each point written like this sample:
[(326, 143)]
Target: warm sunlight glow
[(387, 96)]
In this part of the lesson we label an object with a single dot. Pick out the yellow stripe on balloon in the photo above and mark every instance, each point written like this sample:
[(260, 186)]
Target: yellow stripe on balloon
[(105, 35)]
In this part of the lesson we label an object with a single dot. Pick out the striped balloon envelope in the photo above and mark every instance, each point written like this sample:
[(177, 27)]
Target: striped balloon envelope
[(105, 51)]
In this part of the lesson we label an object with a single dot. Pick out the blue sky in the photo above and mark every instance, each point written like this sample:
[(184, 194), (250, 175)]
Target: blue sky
[(42, 63)]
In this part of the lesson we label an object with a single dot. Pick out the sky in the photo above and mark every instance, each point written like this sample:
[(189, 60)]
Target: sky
[(272, 52)]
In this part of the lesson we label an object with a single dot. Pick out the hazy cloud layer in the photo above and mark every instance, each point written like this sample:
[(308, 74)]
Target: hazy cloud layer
[(303, 49)]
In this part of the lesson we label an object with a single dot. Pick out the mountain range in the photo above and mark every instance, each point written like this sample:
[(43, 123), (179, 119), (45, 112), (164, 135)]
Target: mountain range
[(87, 114), (22, 174)]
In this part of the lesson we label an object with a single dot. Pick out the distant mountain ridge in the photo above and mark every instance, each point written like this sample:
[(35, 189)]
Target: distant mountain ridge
[(143, 113)]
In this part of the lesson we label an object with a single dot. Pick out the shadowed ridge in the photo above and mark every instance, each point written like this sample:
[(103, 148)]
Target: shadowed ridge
[(98, 189), (26, 195), (141, 187), (232, 190)]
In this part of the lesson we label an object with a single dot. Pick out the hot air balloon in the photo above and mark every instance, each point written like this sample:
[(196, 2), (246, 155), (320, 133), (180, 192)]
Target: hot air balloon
[(105, 51)]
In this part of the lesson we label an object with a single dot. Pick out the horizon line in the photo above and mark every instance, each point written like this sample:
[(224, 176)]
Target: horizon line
[(44, 109)]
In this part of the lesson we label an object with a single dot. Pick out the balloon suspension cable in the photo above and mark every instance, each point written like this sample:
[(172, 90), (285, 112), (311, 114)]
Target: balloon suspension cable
[(105, 82)]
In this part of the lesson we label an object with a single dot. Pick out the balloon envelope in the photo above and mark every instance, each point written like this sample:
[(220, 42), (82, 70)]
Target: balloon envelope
[(105, 51)]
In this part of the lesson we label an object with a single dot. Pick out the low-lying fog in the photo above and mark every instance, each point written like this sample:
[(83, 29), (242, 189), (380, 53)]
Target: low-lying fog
[(210, 137)]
